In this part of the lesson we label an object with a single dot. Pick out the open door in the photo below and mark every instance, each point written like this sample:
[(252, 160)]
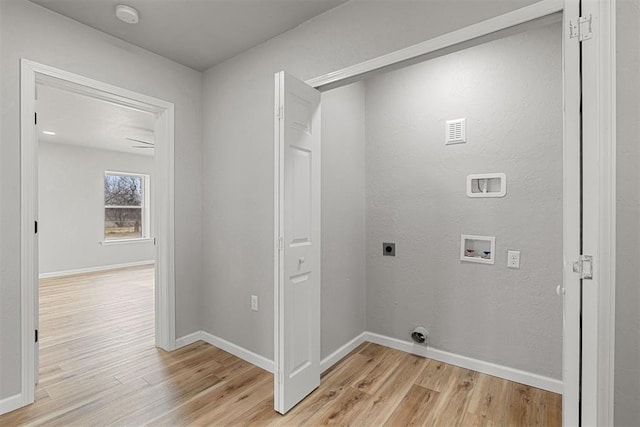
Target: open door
[(571, 224), (297, 233), (589, 280)]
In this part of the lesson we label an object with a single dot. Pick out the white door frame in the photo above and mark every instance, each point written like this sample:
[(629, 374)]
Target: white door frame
[(33, 73), (599, 212), (602, 123)]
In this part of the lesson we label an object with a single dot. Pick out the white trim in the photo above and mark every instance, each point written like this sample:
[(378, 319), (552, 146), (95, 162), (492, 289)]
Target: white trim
[(599, 212), (511, 374), (32, 73), (278, 227), (473, 34), (11, 403), (94, 269), (188, 339), (340, 353), (163, 221), (125, 241), (236, 350), (28, 265), (571, 224)]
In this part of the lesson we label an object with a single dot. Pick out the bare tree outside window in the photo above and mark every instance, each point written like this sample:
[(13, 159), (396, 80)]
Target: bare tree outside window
[(124, 204)]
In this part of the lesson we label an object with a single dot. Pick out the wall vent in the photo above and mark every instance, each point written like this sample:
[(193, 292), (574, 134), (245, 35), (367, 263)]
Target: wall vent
[(455, 132)]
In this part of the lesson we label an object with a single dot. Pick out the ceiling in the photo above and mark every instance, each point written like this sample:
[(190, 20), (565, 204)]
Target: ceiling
[(89, 122), (195, 33)]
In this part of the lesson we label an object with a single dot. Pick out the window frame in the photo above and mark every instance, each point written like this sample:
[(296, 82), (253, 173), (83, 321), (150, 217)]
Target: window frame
[(145, 208)]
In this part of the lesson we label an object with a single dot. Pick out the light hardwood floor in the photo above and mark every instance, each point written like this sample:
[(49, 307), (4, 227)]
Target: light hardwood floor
[(99, 367)]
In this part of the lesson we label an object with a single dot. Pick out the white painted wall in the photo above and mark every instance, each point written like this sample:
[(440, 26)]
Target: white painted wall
[(343, 216), (510, 92), (71, 207), (627, 356), (237, 199), (32, 32)]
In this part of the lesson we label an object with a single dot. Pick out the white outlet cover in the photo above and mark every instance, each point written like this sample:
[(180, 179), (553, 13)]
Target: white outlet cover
[(513, 259)]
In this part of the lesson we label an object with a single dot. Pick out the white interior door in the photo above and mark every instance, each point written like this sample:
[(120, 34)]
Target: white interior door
[(571, 287), (598, 210), (589, 293), (297, 227)]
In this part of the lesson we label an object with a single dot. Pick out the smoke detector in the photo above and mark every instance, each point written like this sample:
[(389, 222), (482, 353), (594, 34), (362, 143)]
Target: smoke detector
[(127, 14)]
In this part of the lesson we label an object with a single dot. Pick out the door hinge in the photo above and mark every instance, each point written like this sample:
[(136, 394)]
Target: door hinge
[(581, 29), (35, 227), (280, 243), (35, 118), (279, 112), (280, 377), (584, 267), (36, 335)]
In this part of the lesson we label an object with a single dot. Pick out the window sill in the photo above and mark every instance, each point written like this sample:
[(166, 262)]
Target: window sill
[(125, 241)]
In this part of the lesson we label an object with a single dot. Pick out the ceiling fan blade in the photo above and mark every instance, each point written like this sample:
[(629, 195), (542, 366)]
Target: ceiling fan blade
[(138, 140)]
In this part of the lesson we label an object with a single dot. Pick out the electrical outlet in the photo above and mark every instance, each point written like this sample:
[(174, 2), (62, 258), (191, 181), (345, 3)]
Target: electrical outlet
[(513, 259), (254, 302)]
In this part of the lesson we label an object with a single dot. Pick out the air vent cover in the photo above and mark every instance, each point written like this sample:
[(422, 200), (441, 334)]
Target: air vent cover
[(455, 132)]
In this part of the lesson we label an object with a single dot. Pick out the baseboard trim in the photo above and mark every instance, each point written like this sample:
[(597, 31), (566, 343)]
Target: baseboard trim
[(511, 374), (94, 269), (11, 403), (340, 353), (188, 339), (236, 350)]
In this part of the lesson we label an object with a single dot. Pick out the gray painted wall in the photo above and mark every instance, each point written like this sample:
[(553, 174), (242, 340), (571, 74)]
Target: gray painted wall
[(510, 92), (237, 200), (343, 216), (30, 31), (627, 356), (71, 207)]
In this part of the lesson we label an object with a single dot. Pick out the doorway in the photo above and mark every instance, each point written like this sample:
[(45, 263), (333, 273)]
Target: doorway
[(533, 17), (161, 226), (95, 216)]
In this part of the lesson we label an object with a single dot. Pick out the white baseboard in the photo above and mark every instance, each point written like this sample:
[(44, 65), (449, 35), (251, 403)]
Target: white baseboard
[(11, 403), (340, 353), (236, 350), (188, 339), (94, 269), (511, 374)]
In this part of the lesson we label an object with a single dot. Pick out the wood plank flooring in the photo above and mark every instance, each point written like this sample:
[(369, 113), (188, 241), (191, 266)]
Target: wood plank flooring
[(99, 367)]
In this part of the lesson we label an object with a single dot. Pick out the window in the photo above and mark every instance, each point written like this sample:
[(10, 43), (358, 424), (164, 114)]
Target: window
[(126, 206)]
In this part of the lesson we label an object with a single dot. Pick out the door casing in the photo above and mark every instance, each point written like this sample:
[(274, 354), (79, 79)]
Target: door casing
[(33, 73)]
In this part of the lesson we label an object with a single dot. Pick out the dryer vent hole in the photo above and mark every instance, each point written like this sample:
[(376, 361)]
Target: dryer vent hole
[(419, 335)]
